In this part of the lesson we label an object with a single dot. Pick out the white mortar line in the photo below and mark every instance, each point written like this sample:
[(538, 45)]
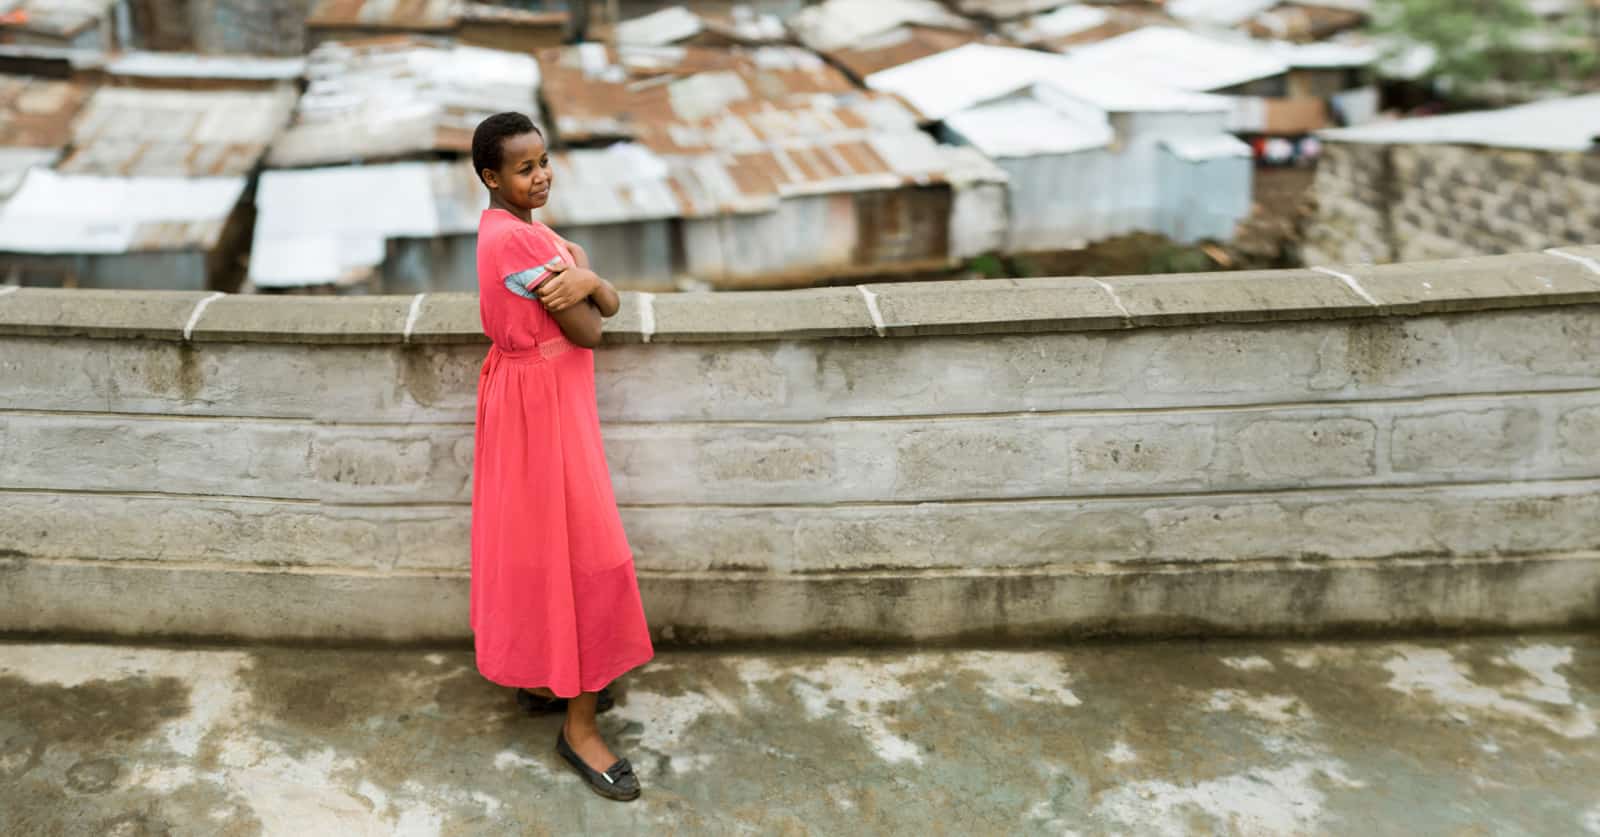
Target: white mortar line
[(1350, 281), (194, 316), (647, 315), (1115, 300), (411, 317), (872, 310), (1594, 266)]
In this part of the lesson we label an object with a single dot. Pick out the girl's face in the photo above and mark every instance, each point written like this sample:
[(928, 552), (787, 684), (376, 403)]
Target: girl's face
[(524, 178)]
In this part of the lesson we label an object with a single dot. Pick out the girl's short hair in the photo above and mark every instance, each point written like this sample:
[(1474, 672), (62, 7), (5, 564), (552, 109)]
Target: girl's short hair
[(488, 139)]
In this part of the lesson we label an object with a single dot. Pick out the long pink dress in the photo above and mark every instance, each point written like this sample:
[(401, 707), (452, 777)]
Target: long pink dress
[(554, 598)]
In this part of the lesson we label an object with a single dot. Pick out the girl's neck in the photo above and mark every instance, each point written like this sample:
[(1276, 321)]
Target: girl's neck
[(525, 214)]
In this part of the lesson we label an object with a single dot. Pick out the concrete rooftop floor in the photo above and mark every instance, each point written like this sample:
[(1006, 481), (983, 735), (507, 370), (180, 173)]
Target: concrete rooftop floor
[(1476, 736)]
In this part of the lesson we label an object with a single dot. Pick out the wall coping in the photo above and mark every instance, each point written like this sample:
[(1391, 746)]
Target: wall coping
[(1565, 276)]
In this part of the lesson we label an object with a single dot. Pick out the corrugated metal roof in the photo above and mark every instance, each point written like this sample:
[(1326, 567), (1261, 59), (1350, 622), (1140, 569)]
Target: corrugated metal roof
[(318, 226), (57, 18), (1181, 59), (177, 65), (667, 26), (15, 163), (400, 15), (1201, 147), (1061, 23), (1324, 55), (898, 46), (49, 213), (1026, 126), (836, 24), (133, 132), (1008, 9), (38, 113), (388, 98), (753, 181), (754, 123), (490, 13), (1561, 125), (601, 92), (950, 82), (1218, 12)]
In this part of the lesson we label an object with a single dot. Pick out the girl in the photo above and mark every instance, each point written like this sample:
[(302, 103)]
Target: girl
[(555, 605)]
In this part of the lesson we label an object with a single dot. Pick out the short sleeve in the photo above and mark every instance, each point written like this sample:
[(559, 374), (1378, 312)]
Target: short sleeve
[(525, 259)]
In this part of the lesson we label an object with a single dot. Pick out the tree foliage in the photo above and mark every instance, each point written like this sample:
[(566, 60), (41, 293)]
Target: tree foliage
[(1477, 41)]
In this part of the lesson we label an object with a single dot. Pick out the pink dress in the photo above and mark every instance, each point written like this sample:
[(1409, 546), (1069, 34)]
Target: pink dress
[(554, 598)]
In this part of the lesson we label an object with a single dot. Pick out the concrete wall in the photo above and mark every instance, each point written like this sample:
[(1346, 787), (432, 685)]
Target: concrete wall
[(1401, 203), (1402, 447)]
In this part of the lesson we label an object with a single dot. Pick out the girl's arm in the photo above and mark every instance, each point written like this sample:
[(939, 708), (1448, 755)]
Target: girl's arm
[(572, 285), (604, 296), (580, 323)]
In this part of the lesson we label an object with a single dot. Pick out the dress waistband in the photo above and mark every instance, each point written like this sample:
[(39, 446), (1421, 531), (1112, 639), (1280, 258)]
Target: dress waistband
[(547, 348)]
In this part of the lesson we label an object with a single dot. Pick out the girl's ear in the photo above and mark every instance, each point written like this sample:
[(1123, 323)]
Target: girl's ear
[(491, 178)]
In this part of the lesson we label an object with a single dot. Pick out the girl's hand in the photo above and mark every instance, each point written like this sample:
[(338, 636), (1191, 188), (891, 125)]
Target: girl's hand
[(566, 287)]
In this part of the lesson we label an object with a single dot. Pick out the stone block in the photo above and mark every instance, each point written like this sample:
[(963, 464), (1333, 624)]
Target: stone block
[(761, 315), (447, 318), (1237, 530), (80, 312), (242, 534), (1534, 279), (982, 306), (304, 319), (1143, 453), (1313, 449), (1465, 442), (1241, 296), (945, 459), (237, 458), (1579, 432)]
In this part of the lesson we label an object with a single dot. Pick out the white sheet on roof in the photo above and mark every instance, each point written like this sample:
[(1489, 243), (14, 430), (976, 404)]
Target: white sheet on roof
[(1201, 147), (58, 213), (314, 226), (835, 24), (1068, 20), (1218, 12), (667, 26), (952, 81), (1560, 125), (1025, 126), (184, 65), (1181, 59)]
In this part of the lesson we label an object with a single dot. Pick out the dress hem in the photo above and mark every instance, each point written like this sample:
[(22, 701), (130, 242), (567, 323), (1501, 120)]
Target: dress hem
[(604, 681)]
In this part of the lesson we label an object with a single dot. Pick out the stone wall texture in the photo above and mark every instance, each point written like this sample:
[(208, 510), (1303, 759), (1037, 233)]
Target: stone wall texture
[(1402, 447), (1402, 203)]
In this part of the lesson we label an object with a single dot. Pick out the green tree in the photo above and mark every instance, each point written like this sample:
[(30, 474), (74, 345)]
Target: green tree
[(1473, 41)]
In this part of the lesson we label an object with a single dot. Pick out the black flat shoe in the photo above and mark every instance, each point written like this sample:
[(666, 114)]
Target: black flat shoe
[(536, 705), (617, 782)]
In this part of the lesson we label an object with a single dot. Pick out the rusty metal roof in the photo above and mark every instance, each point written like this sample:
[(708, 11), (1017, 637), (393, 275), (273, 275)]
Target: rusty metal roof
[(394, 15), (755, 180), (600, 92), (134, 132), (392, 98), (38, 113), (755, 123), (64, 19), (900, 45), (489, 13)]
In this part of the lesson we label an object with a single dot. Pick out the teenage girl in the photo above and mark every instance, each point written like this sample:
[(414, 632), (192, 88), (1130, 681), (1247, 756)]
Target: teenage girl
[(555, 603)]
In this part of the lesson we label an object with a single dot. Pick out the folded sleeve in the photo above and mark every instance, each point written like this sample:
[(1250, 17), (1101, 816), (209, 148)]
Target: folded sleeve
[(525, 260)]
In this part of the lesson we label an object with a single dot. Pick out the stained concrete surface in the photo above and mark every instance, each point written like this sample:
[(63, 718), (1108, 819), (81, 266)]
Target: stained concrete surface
[(1480, 736)]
